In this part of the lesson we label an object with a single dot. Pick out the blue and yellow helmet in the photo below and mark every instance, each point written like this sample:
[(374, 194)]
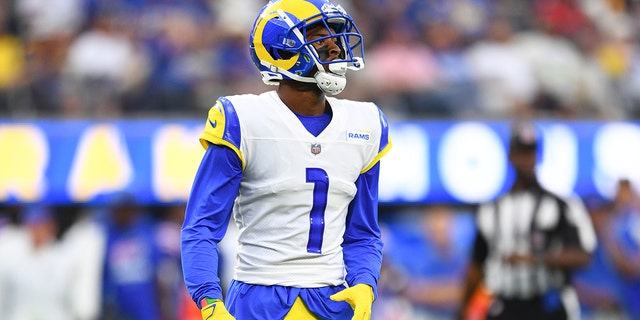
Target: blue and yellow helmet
[(280, 50)]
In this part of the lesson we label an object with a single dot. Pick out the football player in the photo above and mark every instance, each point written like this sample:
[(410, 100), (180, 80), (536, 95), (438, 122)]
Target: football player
[(299, 173)]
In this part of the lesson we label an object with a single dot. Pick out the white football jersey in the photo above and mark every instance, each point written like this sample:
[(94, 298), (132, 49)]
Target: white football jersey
[(296, 188)]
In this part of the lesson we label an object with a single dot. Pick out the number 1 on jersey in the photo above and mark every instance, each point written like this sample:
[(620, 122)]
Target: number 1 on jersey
[(320, 181)]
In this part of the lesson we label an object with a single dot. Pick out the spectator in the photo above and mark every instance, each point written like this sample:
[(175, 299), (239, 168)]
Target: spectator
[(35, 264), (12, 67), (600, 93), (179, 59), (455, 85), (629, 83), (401, 72), (598, 284), (564, 74), (506, 81), (425, 260), (101, 66), (560, 17), (47, 29), (130, 284), (622, 242)]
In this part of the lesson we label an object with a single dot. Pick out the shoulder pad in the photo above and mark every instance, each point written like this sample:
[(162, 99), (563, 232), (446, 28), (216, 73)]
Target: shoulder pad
[(222, 126)]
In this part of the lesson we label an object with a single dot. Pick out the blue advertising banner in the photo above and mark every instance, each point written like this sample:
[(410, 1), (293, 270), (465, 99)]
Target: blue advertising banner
[(439, 161)]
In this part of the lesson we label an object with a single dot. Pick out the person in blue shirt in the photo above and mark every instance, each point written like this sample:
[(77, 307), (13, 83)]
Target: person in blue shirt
[(427, 251), (130, 281), (598, 285), (621, 240)]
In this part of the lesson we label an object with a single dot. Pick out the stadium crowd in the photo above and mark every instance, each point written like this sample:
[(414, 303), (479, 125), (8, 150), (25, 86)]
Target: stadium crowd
[(454, 59), (425, 58)]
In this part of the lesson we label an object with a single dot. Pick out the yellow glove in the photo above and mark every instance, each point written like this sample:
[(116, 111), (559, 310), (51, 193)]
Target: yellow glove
[(213, 309), (360, 297)]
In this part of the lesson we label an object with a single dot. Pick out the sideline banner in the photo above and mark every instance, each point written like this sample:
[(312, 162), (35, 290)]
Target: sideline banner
[(433, 161)]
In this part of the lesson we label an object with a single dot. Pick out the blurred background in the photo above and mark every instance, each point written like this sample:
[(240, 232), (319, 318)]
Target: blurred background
[(102, 103)]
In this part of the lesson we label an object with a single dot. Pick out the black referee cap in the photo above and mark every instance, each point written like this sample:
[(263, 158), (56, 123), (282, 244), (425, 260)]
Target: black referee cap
[(524, 136)]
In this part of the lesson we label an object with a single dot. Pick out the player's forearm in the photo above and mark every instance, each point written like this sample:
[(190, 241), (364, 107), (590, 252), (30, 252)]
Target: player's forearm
[(363, 261), (362, 246), (206, 220), (199, 254), (200, 267)]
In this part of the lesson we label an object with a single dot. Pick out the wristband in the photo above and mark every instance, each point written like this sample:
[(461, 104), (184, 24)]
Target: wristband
[(208, 301)]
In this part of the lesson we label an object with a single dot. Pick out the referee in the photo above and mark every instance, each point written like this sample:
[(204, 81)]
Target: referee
[(528, 242)]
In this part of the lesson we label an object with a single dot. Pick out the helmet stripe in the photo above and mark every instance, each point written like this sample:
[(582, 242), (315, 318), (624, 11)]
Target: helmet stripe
[(300, 9)]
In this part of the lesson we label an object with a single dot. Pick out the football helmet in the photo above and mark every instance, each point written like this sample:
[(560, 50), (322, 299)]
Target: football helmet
[(280, 49)]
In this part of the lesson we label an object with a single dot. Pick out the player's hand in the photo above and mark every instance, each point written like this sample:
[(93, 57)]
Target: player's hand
[(360, 297), (216, 311)]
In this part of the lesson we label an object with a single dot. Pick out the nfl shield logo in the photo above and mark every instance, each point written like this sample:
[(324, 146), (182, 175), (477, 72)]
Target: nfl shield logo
[(316, 148)]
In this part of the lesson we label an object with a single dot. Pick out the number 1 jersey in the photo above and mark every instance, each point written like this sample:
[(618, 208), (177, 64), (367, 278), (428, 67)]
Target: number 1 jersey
[(296, 188)]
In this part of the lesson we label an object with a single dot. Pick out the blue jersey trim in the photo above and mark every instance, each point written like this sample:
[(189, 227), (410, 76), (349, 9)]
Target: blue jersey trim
[(384, 136), (315, 124), (232, 126)]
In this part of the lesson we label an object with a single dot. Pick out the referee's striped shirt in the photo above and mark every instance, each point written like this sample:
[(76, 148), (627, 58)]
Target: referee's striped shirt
[(526, 222)]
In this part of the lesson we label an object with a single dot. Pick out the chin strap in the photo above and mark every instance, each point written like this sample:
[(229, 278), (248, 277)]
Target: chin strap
[(329, 82), (332, 82)]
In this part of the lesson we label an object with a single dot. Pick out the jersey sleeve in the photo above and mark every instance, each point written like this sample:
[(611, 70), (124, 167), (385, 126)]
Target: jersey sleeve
[(207, 216), (223, 127), (385, 141), (485, 224), (480, 249), (579, 225), (362, 245)]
